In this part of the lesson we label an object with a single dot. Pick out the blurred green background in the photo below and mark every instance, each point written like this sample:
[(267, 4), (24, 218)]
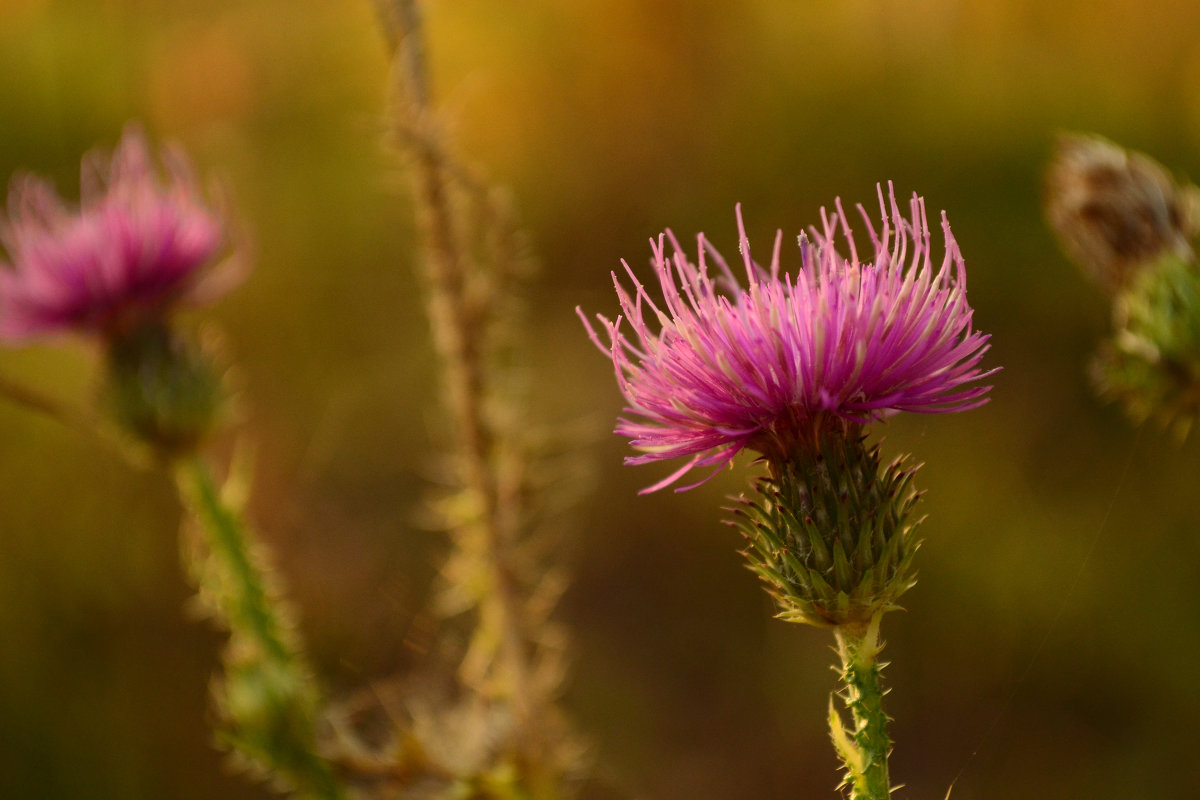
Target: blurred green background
[(1051, 648)]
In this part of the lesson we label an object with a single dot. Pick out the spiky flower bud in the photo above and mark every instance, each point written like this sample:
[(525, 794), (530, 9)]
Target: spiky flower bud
[(162, 388), (1151, 365), (829, 532)]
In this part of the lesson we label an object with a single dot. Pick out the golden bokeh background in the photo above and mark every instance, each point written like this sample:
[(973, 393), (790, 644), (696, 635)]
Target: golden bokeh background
[(1052, 647)]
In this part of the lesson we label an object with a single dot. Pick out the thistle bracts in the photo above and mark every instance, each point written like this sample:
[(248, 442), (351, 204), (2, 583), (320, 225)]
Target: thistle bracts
[(162, 388), (1151, 363), (829, 532)]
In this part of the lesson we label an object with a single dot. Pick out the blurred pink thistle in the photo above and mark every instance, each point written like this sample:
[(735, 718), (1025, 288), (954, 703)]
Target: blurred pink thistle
[(771, 366), (137, 247)]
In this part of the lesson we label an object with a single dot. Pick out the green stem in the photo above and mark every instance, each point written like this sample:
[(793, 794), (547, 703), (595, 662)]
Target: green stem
[(865, 748), (73, 418), (269, 697)]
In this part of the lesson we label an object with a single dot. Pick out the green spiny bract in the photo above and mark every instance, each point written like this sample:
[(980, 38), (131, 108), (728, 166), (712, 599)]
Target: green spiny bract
[(1151, 367), (829, 533), (162, 388)]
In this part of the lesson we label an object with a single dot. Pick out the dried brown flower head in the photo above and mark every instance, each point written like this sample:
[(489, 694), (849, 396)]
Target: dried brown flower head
[(1115, 210)]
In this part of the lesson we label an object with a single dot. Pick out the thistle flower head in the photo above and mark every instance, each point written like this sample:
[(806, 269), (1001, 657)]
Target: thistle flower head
[(715, 367), (132, 251)]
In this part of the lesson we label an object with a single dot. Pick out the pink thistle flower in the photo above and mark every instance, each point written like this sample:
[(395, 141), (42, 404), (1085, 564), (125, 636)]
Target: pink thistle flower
[(133, 251), (771, 366)]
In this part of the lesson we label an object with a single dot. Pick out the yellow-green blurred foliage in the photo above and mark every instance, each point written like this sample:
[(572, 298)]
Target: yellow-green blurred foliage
[(1050, 648)]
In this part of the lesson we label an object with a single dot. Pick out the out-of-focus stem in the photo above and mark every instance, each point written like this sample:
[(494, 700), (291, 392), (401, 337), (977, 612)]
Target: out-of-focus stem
[(247, 608), (270, 697), (865, 750), (459, 331), (77, 420), (34, 400)]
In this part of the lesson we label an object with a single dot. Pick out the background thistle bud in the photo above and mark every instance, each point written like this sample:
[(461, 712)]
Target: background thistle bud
[(829, 532), (1116, 210), (1151, 365), (162, 388)]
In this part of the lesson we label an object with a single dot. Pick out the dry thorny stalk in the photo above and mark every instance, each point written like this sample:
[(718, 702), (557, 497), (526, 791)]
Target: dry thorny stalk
[(495, 731)]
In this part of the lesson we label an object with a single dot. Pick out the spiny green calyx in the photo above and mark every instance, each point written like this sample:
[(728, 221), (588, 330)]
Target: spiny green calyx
[(1151, 366), (162, 388), (828, 531)]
